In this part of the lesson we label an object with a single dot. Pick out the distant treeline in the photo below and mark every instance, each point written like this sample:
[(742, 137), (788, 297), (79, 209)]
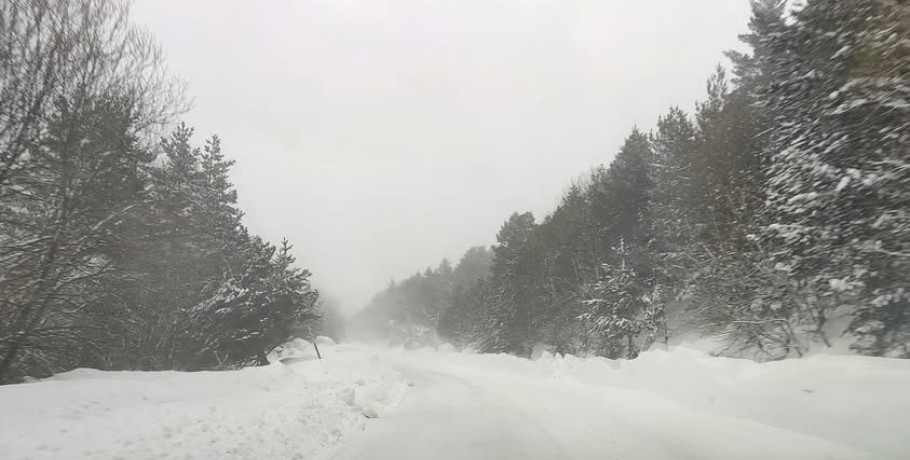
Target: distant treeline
[(409, 311), (781, 204), (120, 249)]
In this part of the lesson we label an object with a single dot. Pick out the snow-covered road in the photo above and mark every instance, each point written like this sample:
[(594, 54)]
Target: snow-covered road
[(462, 412), (377, 404)]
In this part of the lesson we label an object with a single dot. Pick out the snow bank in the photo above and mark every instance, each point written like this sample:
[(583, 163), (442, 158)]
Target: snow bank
[(852, 400), (275, 411), (858, 402), (294, 351), (669, 400)]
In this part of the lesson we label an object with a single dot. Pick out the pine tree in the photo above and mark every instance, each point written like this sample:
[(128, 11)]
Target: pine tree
[(618, 311), (256, 310), (473, 265), (515, 261), (670, 209), (878, 93), (766, 24), (837, 190), (211, 293)]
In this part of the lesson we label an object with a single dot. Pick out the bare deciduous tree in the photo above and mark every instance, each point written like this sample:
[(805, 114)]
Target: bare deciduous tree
[(81, 91)]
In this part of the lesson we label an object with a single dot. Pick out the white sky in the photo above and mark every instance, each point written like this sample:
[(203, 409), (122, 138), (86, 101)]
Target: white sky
[(382, 135)]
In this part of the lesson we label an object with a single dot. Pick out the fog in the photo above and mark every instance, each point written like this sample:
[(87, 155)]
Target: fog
[(380, 136)]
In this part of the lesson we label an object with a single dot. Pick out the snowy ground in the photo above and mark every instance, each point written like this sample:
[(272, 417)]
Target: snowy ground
[(363, 403), (274, 412)]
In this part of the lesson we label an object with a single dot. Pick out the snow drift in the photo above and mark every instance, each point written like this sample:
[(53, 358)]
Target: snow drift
[(665, 404), (852, 401), (274, 412)]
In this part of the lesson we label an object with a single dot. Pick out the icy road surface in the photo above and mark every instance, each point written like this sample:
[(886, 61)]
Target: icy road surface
[(377, 404), (462, 411)]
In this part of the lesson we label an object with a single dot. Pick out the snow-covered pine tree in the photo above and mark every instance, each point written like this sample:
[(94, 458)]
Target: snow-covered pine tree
[(257, 309), (458, 322), (568, 255), (878, 92), (620, 317), (837, 192), (515, 262), (218, 200), (670, 213), (176, 259), (753, 70), (214, 293)]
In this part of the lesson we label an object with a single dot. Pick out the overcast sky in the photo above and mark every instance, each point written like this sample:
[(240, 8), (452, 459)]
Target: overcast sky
[(382, 135)]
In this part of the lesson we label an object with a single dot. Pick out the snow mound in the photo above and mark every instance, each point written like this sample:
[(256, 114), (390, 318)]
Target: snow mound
[(294, 351), (680, 403), (276, 411), (853, 401)]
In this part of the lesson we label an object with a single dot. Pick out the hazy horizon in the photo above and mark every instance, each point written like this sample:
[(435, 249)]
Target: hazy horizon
[(445, 115)]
